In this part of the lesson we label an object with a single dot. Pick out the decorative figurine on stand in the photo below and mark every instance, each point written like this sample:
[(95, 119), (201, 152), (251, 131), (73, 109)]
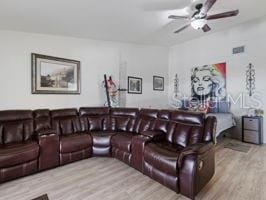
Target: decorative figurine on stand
[(111, 92)]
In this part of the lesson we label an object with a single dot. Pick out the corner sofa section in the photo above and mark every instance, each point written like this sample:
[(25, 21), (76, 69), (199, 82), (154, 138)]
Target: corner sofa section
[(19, 151), (174, 148)]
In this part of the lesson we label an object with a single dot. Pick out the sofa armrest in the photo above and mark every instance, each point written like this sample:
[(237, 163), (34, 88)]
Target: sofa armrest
[(196, 149), (49, 150), (196, 165), (138, 145), (154, 134), (210, 129), (45, 132)]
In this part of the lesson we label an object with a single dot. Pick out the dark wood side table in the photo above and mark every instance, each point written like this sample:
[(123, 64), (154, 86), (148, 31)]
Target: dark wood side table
[(252, 129)]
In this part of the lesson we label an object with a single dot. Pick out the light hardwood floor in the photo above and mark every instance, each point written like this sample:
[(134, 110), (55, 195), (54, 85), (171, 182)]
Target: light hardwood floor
[(239, 176)]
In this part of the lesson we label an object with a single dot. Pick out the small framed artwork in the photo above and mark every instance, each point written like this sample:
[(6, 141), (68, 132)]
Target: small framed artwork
[(134, 85), (158, 83), (52, 75)]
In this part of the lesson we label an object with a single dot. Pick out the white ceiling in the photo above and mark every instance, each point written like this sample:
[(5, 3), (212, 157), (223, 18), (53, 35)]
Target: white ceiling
[(137, 21)]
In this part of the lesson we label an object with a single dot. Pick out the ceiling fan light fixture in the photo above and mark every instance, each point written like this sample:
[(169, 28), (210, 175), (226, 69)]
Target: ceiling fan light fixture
[(198, 23), (197, 15)]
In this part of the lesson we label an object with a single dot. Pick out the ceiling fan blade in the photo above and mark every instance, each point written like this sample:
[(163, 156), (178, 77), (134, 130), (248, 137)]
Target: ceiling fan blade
[(223, 15), (183, 28), (206, 28), (208, 5), (177, 17)]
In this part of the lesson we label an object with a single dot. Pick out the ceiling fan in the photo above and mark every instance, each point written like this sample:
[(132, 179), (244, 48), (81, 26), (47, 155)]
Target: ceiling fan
[(200, 16)]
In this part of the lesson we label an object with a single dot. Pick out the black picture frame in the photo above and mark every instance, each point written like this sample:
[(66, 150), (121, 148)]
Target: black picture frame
[(49, 82), (158, 83), (134, 85)]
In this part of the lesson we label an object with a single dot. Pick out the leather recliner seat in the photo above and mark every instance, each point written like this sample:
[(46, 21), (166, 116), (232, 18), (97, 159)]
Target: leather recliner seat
[(75, 144), (18, 150), (124, 123), (163, 159), (95, 122), (174, 148)]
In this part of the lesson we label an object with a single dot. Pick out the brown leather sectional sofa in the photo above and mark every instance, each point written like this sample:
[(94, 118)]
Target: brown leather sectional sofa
[(174, 148)]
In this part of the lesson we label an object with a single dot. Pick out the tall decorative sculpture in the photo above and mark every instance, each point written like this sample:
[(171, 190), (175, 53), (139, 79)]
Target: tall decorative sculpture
[(111, 92), (105, 83), (175, 101), (250, 79)]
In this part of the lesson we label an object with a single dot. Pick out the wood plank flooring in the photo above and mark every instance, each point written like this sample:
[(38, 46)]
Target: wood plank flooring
[(239, 176)]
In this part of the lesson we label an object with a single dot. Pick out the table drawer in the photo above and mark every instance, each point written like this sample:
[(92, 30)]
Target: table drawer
[(251, 136), (251, 124)]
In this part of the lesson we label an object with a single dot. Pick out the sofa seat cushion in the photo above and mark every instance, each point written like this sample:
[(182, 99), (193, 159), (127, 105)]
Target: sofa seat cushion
[(75, 142), (102, 139), (122, 141), (163, 156), (15, 154)]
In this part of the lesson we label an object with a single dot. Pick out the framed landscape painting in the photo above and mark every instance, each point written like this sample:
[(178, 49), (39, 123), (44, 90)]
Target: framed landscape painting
[(158, 83), (53, 75), (134, 85)]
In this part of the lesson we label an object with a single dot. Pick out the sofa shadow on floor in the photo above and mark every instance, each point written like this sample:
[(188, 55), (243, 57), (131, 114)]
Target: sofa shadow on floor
[(43, 197)]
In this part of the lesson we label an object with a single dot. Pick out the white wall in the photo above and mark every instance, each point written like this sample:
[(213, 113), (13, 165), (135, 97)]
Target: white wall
[(217, 47), (145, 63), (97, 58)]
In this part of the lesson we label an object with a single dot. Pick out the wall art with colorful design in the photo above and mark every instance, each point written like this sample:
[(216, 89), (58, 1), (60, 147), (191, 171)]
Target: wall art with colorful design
[(209, 82)]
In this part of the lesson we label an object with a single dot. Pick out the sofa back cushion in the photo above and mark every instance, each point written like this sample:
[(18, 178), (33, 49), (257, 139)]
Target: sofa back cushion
[(65, 121), (185, 128), (1, 134), (121, 123), (142, 125), (164, 114), (162, 121), (160, 125), (193, 118), (95, 123), (16, 126), (13, 132), (145, 120), (93, 111), (93, 119), (123, 119), (184, 134), (42, 119), (148, 113)]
